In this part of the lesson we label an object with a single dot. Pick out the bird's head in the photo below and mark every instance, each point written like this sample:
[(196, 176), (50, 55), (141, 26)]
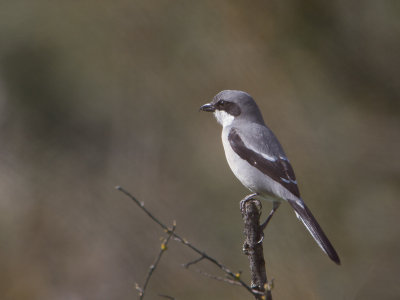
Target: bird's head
[(231, 105)]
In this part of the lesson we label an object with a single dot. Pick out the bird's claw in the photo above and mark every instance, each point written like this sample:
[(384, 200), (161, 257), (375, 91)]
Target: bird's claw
[(262, 238), (246, 199)]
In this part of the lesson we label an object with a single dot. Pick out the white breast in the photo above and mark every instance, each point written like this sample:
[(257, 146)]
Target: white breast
[(223, 117)]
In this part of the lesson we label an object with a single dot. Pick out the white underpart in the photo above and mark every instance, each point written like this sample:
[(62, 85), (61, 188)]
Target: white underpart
[(223, 117)]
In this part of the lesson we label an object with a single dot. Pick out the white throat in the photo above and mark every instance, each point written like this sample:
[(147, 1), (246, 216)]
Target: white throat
[(223, 117)]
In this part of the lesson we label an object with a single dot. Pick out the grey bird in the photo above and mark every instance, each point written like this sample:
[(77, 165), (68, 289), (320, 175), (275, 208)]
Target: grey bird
[(257, 159)]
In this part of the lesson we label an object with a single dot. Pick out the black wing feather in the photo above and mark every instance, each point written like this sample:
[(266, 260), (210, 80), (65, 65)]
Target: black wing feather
[(279, 170)]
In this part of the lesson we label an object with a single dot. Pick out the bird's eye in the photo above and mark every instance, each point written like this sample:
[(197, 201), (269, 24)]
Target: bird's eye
[(221, 102)]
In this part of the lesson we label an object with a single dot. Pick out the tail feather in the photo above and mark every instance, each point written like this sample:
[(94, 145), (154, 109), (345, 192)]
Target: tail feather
[(305, 216)]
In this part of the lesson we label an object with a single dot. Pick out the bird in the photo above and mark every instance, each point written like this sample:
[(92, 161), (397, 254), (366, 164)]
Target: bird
[(258, 160)]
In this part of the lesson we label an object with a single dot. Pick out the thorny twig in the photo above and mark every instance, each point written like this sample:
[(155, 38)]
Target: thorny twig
[(185, 242)]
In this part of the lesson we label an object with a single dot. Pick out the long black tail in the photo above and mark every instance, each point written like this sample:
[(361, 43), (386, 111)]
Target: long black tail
[(305, 216)]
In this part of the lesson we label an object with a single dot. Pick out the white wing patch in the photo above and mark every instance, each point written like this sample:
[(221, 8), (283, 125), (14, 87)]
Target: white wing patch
[(283, 158), (289, 180), (266, 156)]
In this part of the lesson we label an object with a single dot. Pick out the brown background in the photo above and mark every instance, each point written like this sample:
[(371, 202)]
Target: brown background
[(95, 94)]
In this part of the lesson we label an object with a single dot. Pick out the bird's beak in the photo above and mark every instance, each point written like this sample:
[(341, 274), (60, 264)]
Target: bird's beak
[(208, 107)]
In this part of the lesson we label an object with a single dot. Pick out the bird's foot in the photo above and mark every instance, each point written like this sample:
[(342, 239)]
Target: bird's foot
[(275, 206), (246, 199), (262, 237)]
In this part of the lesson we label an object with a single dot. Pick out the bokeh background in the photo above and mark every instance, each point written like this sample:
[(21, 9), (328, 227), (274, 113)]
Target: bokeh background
[(95, 94)]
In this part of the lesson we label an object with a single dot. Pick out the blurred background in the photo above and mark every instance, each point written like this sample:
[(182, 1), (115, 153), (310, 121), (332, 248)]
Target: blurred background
[(95, 94)]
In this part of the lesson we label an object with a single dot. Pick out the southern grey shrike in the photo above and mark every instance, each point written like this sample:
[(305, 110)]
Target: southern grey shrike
[(257, 159)]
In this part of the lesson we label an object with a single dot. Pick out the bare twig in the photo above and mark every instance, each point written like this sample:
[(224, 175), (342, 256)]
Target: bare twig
[(235, 276), (187, 265), (218, 278), (253, 248), (153, 267)]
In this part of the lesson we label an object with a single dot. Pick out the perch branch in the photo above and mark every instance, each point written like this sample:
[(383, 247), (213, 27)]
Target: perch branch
[(253, 248)]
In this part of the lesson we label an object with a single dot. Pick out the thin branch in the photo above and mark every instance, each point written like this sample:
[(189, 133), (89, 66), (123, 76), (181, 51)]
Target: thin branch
[(218, 278), (187, 265), (189, 245), (153, 267)]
